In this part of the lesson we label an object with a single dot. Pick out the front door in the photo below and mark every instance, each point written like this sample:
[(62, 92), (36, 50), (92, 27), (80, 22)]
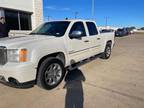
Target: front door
[(78, 47)]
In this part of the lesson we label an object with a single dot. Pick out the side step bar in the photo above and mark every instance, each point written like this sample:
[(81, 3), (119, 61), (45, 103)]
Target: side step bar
[(78, 64)]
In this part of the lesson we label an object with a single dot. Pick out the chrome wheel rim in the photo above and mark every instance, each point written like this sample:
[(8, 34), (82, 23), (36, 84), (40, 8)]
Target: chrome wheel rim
[(108, 51), (53, 74)]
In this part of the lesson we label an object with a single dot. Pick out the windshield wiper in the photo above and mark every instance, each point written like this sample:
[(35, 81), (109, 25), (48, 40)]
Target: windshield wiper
[(38, 34), (49, 34)]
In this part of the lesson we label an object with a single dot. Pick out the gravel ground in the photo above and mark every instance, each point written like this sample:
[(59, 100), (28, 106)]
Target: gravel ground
[(114, 83)]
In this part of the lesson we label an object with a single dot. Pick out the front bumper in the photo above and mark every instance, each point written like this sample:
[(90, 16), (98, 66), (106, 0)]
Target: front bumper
[(16, 84), (20, 72)]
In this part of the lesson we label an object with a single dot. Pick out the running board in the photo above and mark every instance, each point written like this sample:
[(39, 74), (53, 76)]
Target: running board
[(78, 64)]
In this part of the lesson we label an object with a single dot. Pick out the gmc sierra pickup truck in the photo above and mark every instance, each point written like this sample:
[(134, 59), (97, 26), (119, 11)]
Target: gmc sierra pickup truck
[(44, 55)]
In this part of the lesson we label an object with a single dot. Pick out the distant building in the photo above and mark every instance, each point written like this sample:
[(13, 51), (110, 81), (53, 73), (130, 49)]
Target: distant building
[(22, 15)]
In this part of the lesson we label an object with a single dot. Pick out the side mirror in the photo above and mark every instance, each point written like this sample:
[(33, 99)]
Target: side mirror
[(76, 35)]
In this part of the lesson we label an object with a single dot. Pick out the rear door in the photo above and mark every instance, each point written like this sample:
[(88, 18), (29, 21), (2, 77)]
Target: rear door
[(94, 38), (78, 48)]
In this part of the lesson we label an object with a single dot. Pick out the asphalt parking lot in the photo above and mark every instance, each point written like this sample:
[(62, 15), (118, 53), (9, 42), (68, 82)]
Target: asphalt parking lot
[(114, 83)]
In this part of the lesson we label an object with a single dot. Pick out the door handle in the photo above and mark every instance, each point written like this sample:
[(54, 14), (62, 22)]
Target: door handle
[(86, 41), (98, 38)]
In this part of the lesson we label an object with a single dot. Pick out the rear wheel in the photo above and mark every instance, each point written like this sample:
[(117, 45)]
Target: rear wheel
[(50, 74), (107, 53)]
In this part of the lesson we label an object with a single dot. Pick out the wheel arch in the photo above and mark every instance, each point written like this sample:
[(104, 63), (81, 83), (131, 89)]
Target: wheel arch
[(109, 42), (58, 55)]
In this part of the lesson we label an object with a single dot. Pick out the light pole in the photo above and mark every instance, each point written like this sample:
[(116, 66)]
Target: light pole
[(93, 8), (76, 13), (106, 23)]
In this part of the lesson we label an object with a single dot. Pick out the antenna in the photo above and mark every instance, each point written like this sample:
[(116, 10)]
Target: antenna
[(49, 18)]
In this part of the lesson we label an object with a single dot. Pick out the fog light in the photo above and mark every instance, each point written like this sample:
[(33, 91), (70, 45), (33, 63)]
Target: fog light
[(13, 81)]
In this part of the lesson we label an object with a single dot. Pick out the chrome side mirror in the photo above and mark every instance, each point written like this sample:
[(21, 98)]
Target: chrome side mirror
[(76, 35)]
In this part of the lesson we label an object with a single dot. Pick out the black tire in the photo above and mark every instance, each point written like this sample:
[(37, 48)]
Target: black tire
[(107, 53), (45, 72)]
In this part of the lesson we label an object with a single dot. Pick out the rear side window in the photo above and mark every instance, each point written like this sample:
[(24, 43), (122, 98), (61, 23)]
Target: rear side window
[(92, 28)]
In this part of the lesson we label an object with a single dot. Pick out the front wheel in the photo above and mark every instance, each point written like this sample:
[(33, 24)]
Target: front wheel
[(107, 53), (50, 74)]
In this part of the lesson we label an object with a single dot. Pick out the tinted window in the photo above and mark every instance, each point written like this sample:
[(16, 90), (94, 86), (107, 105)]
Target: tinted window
[(12, 19), (120, 30), (18, 20), (25, 21), (57, 28), (78, 26), (92, 28)]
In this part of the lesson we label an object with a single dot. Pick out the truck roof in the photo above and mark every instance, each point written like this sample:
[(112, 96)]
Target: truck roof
[(71, 20)]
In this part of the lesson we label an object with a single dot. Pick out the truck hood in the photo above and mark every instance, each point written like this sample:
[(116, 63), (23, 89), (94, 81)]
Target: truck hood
[(17, 41)]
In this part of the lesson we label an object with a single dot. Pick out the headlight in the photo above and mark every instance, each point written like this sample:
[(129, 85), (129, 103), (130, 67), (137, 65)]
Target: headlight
[(16, 55)]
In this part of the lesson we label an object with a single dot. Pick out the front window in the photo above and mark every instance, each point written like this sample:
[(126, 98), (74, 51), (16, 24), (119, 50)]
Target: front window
[(57, 28), (78, 26)]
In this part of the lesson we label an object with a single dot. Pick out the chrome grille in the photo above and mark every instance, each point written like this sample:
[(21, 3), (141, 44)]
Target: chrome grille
[(3, 55)]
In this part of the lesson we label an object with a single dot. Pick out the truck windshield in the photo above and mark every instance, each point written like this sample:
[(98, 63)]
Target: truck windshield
[(56, 28)]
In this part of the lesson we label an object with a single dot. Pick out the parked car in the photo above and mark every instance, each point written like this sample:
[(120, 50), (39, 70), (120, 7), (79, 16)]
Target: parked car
[(131, 30), (121, 32), (43, 57), (142, 28)]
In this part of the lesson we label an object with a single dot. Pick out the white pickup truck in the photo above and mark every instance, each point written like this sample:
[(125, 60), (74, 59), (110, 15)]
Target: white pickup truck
[(44, 55)]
